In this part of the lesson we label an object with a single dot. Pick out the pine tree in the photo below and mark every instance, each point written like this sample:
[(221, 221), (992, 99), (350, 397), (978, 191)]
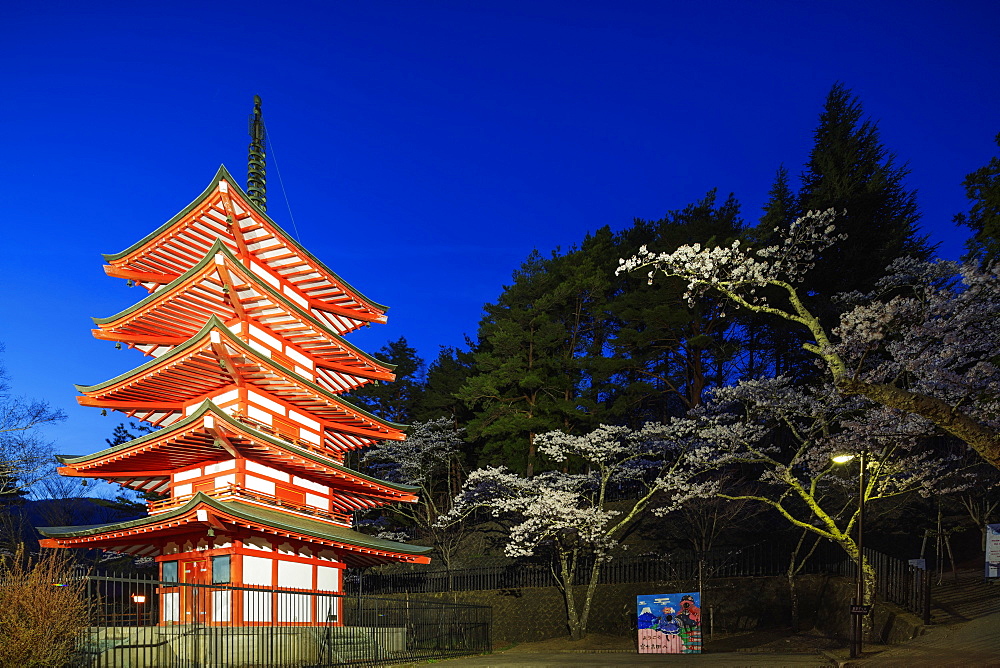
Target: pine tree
[(528, 367), (850, 171), (445, 377), (394, 401), (667, 350), (982, 187), (779, 211)]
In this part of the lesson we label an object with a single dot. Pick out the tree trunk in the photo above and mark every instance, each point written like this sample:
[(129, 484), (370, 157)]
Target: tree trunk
[(572, 618), (595, 576)]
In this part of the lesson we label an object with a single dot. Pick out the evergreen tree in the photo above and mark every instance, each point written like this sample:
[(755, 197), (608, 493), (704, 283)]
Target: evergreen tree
[(123, 434), (667, 350), (769, 347), (394, 401), (780, 209), (439, 395), (527, 375), (850, 171), (982, 187)]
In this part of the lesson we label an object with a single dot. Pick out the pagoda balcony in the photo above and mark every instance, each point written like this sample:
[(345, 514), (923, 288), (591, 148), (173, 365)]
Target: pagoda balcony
[(233, 492), (288, 438)]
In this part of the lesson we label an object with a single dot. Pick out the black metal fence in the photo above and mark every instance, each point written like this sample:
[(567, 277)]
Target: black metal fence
[(897, 581), (755, 560), (138, 622)]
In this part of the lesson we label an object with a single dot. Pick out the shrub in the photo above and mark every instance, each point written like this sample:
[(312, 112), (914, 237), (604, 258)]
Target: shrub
[(39, 621)]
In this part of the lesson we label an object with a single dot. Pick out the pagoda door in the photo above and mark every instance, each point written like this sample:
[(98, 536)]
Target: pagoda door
[(195, 575)]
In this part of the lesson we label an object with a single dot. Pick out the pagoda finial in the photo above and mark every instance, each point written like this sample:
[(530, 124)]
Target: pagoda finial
[(256, 181)]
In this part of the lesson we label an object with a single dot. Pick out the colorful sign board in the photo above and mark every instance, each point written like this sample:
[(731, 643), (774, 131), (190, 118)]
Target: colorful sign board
[(669, 623), (993, 550)]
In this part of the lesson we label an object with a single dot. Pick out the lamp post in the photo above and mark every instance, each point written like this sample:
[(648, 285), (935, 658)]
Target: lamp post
[(858, 610)]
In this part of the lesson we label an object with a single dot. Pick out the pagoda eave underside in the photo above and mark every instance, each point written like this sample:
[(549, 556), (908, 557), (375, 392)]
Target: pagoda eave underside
[(216, 362), (211, 436), (220, 286), (223, 212), (202, 513)]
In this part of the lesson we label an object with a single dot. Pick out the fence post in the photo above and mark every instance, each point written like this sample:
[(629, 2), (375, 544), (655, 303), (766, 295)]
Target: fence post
[(926, 595)]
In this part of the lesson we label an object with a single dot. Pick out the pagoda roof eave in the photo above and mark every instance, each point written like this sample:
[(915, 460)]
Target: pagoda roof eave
[(214, 323), (219, 247), (209, 407), (223, 173), (276, 520)]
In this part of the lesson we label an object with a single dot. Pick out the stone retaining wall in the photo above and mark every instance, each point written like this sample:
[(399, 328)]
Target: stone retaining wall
[(729, 605)]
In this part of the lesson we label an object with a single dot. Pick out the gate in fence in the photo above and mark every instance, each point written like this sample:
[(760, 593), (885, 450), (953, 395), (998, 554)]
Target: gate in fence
[(137, 623)]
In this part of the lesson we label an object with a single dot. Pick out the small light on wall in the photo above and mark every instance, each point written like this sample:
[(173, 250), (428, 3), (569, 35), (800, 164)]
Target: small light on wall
[(139, 598)]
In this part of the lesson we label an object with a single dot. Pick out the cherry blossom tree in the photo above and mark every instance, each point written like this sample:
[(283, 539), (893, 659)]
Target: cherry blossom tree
[(925, 342), (425, 461), (790, 435), (571, 514)]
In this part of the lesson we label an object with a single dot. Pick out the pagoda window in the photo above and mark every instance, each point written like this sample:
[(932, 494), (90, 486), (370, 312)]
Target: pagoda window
[(309, 436), (220, 569), (309, 484), (224, 481), (168, 571), (304, 421)]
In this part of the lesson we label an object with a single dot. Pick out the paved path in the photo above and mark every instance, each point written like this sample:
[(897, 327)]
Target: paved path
[(546, 659), (973, 643)]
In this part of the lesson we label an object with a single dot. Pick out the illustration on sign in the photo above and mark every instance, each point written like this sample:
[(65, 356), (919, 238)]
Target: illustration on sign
[(993, 550), (669, 623)]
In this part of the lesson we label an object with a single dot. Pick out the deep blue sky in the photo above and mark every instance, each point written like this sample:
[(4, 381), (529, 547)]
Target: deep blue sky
[(427, 146)]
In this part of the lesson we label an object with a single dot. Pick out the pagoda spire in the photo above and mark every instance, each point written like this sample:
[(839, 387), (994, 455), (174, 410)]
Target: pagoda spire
[(256, 162)]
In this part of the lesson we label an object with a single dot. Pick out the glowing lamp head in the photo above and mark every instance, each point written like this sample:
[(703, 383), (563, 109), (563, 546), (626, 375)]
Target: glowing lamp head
[(139, 598), (842, 459)]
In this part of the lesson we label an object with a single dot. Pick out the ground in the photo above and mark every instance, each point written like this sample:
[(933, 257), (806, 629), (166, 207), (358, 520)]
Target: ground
[(781, 641)]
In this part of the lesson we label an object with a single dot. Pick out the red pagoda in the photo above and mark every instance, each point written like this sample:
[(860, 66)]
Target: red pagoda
[(245, 331)]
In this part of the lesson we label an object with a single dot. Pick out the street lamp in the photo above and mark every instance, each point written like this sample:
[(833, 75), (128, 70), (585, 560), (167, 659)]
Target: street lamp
[(859, 609)]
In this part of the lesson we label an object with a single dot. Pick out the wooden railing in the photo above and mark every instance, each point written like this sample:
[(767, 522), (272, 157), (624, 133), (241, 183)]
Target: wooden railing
[(237, 492), (288, 438)]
